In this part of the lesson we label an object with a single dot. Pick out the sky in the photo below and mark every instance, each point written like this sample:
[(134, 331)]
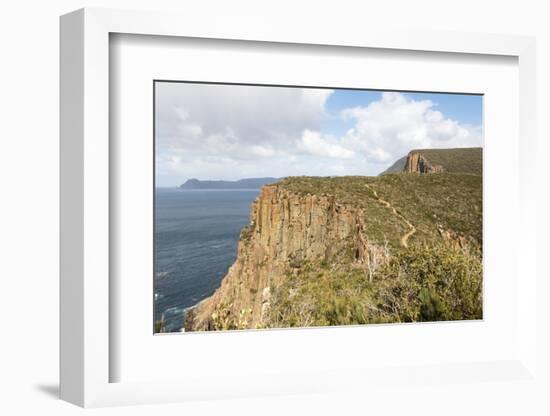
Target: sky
[(230, 132)]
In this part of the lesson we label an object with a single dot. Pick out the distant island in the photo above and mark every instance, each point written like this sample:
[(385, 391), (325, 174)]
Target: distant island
[(248, 183)]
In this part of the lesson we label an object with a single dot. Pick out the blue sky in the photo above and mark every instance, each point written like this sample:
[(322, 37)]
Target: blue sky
[(213, 131), (464, 108)]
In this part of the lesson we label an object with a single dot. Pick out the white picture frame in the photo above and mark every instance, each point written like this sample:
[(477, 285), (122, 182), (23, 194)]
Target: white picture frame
[(86, 356)]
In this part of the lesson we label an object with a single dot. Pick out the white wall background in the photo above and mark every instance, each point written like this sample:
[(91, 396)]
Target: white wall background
[(29, 182)]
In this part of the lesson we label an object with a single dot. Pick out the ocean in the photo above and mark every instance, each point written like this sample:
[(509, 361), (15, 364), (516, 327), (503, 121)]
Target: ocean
[(196, 235)]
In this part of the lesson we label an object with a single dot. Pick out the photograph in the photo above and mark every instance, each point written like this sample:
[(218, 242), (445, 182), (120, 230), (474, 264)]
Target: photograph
[(275, 208), (293, 207)]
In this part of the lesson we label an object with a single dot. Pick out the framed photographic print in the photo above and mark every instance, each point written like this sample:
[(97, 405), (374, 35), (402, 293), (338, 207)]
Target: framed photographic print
[(315, 207), (280, 213)]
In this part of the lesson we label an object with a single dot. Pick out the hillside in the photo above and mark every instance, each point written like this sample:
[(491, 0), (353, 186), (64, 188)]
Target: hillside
[(431, 202), (249, 183), (354, 250), (459, 160), (397, 167)]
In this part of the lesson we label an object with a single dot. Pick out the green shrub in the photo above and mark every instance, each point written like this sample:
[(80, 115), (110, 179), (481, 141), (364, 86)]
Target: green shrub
[(431, 306), (420, 283), (434, 283), (223, 318)]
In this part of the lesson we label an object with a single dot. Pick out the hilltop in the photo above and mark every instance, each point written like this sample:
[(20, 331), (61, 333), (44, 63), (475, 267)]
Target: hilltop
[(459, 160)]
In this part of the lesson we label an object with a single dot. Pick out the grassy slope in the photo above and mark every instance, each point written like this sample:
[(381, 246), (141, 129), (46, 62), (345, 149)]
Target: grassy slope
[(466, 160), (460, 160), (452, 201), (397, 167), (420, 283)]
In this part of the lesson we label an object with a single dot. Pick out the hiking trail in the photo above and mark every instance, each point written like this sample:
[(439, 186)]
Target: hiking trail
[(404, 239)]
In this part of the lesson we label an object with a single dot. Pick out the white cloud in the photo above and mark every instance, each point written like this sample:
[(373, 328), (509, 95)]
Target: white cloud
[(312, 142), (389, 128), (263, 151), (231, 132), (250, 115), (225, 131)]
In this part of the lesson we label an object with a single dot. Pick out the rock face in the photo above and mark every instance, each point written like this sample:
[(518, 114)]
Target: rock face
[(285, 230), (417, 162)]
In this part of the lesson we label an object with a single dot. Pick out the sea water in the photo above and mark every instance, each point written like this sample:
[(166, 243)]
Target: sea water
[(196, 235)]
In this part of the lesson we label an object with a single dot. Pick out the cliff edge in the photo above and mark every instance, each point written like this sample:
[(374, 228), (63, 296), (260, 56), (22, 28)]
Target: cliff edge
[(286, 229), (318, 251)]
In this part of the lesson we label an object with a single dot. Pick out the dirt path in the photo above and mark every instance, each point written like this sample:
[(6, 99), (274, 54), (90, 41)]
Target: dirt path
[(405, 238)]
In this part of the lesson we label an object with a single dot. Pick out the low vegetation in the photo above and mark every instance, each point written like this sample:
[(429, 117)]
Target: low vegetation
[(462, 160), (223, 319), (421, 283), (433, 202)]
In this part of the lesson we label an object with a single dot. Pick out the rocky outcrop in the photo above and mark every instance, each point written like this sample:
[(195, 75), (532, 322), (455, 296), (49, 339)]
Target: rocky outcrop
[(286, 230), (417, 162), (457, 239)]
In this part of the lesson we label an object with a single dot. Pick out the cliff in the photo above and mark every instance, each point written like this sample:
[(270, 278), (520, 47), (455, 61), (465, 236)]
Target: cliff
[(286, 230), (417, 162), (459, 160), (322, 251)]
